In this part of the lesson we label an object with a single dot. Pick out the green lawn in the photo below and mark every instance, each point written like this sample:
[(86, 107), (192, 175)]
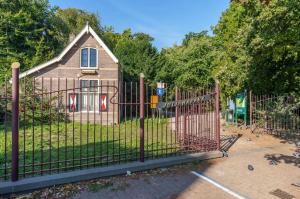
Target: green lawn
[(65, 146)]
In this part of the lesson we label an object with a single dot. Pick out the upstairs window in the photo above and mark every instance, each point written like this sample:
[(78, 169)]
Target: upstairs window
[(89, 58)]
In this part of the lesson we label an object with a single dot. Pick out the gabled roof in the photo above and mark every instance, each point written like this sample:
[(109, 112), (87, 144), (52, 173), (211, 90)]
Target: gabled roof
[(87, 29)]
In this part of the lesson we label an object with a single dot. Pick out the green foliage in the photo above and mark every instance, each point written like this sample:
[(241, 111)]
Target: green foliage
[(189, 65), (75, 19), (279, 114), (274, 48), (32, 32), (137, 55), (255, 46), (258, 47), (40, 107), (232, 61), (28, 33), (78, 137)]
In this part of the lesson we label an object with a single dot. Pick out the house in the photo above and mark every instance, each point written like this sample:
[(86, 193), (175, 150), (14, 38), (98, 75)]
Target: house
[(86, 77)]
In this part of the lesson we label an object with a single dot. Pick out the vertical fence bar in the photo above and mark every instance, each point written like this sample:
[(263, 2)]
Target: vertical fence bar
[(15, 121), (107, 109), (58, 129), (119, 118), (125, 120), (101, 126), (250, 108), (147, 116), (166, 120), (50, 127), (136, 120), (217, 117), (176, 118), (142, 117), (42, 128), (73, 128), (131, 117), (66, 124), (33, 127), (24, 130), (5, 132)]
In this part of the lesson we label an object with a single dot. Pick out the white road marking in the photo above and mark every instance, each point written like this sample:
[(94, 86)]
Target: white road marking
[(218, 185)]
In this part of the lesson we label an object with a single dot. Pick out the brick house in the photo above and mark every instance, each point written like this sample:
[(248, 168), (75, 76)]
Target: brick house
[(86, 74)]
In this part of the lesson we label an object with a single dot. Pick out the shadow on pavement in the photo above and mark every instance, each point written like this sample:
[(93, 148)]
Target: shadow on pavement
[(293, 159), (228, 140)]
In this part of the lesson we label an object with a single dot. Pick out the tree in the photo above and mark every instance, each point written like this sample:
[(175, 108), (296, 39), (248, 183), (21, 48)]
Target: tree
[(232, 61), (189, 65), (136, 55), (258, 47), (274, 48), (28, 33), (75, 19)]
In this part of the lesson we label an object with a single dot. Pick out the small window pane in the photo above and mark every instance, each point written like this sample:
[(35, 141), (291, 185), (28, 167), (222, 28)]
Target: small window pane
[(84, 101), (93, 57), (84, 84), (93, 106), (84, 57), (94, 85)]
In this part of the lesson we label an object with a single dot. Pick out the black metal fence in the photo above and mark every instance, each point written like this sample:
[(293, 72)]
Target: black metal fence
[(68, 124)]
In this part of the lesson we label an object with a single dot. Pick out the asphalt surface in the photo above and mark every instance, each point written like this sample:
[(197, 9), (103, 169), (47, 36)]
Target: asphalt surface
[(275, 169)]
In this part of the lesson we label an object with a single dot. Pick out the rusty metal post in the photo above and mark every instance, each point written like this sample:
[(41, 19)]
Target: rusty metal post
[(250, 108), (217, 112), (142, 115), (15, 121)]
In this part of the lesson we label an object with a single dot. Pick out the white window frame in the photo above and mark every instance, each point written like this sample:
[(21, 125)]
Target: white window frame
[(88, 67), (82, 92)]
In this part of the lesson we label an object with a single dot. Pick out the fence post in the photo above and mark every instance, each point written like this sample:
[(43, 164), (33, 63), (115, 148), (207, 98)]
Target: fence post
[(217, 113), (142, 115), (250, 108), (15, 121), (176, 110)]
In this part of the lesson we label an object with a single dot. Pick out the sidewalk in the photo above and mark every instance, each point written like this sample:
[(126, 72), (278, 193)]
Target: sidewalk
[(275, 169)]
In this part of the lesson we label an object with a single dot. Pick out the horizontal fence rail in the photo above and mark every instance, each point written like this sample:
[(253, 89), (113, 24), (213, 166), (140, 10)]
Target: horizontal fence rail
[(68, 124), (279, 115)]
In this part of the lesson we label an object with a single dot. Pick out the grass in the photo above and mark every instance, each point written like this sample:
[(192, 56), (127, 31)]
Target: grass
[(45, 148)]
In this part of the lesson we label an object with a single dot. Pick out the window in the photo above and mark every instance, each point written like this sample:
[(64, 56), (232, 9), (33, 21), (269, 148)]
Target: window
[(89, 57), (89, 95), (93, 57)]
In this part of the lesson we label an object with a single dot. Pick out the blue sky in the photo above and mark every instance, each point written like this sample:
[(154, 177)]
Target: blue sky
[(167, 21)]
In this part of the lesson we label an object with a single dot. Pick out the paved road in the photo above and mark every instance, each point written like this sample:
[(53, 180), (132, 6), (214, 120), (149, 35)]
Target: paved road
[(183, 185), (275, 169)]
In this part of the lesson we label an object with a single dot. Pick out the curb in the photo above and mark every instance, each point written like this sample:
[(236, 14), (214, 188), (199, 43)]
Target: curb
[(88, 174)]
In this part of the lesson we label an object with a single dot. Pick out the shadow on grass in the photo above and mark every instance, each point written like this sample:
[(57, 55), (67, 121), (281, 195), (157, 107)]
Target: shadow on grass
[(41, 162), (86, 146)]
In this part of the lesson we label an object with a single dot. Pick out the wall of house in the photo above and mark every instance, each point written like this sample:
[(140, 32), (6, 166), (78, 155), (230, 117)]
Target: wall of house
[(66, 75)]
